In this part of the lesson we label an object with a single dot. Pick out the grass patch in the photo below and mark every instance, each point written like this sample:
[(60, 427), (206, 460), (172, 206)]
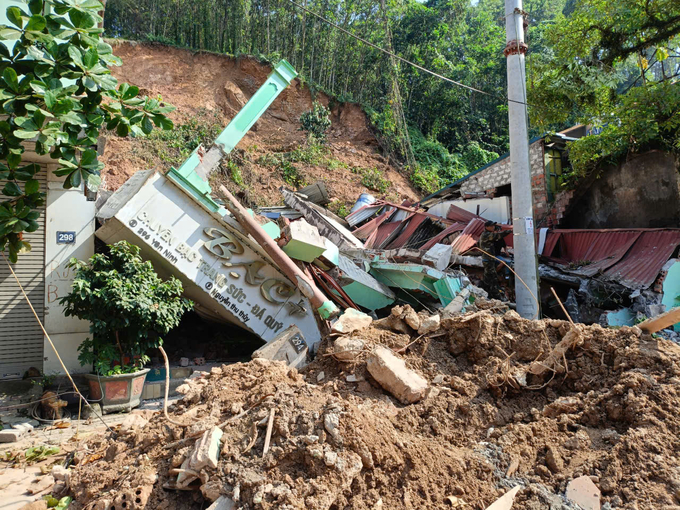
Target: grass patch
[(175, 146)]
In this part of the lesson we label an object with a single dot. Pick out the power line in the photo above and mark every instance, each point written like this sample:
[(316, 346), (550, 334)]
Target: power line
[(424, 69)]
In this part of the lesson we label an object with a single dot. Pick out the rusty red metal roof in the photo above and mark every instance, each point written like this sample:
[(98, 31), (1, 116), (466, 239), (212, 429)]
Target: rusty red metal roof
[(469, 236), (632, 257), (460, 215), (643, 262), (364, 231), (456, 227), (381, 234), (409, 229)]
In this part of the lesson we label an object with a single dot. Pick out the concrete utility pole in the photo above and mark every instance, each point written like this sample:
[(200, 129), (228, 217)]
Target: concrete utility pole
[(522, 205)]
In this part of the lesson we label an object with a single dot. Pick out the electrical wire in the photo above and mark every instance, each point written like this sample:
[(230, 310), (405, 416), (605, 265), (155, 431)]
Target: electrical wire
[(394, 55)]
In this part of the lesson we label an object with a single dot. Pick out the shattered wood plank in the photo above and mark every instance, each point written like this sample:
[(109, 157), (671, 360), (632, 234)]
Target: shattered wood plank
[(662, 321)]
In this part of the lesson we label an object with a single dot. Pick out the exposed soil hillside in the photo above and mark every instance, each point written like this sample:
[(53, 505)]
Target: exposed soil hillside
[(213, 88)]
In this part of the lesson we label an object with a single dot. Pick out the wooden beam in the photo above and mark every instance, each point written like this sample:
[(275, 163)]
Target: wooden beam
[(662, 321)]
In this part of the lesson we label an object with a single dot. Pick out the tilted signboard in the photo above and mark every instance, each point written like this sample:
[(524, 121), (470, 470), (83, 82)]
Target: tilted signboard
[(222, 270)]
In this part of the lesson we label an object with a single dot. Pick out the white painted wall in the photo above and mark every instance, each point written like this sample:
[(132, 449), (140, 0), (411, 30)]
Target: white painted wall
[(66, 210), (495, 209)]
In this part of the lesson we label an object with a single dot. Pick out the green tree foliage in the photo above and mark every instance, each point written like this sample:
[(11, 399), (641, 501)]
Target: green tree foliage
[(455, 38), (612, 65), (56, 89), (127, 305), (316, 121)]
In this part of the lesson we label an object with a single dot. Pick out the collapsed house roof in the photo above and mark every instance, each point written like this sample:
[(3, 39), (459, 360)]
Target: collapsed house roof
[(631, 257)]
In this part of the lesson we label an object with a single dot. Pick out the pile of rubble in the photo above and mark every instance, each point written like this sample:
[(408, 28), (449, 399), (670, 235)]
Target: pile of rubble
[(414, 412)]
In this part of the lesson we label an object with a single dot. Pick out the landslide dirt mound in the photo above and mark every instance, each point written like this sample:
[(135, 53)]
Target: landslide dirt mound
[(609, 412), (216, 87)]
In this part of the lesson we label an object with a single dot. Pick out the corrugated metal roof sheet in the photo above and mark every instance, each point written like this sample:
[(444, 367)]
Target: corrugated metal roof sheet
[(643, 262), (596, 251), (362, 214), (631, 257), (409, 229), (383, 233), (460, 215), (469, 236), (365, 230), (456, 227)]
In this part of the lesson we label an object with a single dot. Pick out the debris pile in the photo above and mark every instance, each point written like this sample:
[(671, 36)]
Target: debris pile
[(597, 422)]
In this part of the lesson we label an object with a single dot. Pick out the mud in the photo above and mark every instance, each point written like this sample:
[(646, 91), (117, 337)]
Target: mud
[(607, 411), (207, 84)]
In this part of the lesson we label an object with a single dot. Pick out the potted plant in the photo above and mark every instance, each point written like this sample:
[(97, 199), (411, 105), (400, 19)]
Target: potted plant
[(129, 309)]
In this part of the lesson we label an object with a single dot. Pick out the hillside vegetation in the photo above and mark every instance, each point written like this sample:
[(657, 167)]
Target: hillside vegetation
[(208, 90)]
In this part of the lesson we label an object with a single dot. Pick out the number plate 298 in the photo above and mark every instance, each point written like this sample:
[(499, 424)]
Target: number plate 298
[(66, 237)]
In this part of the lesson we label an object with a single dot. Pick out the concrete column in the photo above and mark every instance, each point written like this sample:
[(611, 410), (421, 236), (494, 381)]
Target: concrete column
[(522, 209)]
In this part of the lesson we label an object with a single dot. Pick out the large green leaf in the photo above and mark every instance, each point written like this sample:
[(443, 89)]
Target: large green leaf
[(11, 189), (15, 16), (9, 76)]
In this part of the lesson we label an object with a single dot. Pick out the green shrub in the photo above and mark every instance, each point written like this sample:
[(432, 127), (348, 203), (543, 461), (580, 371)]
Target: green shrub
[(269, 160), (374, 180), (425, 179), (290, 175), (312, 153), (235, 173), (174, 147), (316, 121), (127, 305)]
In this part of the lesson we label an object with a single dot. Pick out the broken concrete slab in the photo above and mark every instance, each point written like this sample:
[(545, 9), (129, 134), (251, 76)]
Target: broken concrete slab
[(347, 349), (439, 256), (290, 346), (583, 492), (329, 228), (392, 374), (207, 450), (458, 304), (351, 320), (303, 241)]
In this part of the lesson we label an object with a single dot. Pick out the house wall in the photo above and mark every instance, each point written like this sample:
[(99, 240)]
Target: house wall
[(499, 174), (641, 193), (67, 211), (496, 209)]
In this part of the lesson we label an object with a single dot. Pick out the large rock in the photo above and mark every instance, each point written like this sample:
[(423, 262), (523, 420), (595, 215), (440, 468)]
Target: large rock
[(347, 349), (393, 375), (429, 324), (352, 320)]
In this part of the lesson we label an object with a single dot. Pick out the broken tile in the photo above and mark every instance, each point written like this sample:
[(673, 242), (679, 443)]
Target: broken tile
[(583, 492)]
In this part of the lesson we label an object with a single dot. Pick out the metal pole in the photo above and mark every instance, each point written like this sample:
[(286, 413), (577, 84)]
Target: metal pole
[(522, 205), (323, 305)]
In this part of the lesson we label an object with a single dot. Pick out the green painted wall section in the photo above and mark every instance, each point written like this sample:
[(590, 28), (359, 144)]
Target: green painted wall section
[(447, 289), (367, 297), (671, 290)]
